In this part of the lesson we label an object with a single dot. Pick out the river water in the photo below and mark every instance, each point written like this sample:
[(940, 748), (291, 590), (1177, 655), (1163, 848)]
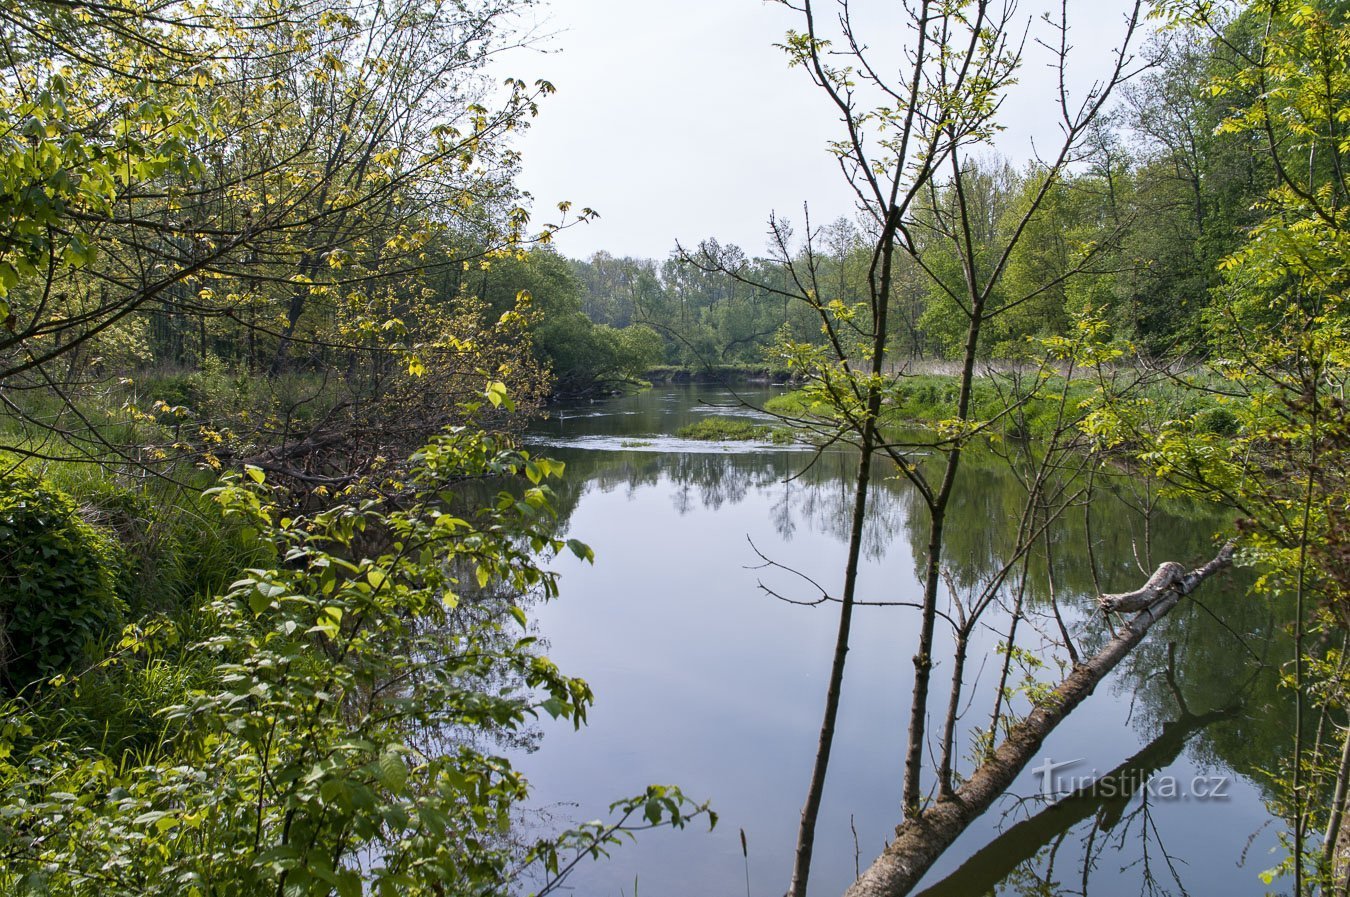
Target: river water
[(706, 680)]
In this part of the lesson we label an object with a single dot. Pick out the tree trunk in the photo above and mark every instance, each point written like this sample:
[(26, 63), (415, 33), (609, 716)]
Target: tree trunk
[(937, 511), (1336, 850), (920, 840), (806, 831), (1106, 797)]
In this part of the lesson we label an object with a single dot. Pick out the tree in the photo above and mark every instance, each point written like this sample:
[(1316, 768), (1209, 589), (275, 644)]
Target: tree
[(269, 186), (1194, 188), (1280, 368), (905, 153)]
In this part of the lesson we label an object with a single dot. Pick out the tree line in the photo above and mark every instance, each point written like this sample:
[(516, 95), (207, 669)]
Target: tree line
[(1154, 196)]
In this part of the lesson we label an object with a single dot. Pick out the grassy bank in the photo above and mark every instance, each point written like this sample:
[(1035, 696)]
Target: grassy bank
[(732, 429), (928, 399), (719, 373)]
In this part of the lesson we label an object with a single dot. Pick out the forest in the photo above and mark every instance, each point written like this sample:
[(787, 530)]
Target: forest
[(288, 484)]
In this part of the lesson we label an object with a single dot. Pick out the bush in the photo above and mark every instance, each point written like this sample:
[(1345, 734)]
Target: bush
[(58, 599), (175, 549), (1219, 421)]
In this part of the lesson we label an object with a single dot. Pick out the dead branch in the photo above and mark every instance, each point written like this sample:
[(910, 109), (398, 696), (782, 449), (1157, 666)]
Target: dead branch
[(1159, 584)]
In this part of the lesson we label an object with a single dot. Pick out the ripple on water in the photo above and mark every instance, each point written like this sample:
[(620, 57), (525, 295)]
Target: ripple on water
[(659, 444)]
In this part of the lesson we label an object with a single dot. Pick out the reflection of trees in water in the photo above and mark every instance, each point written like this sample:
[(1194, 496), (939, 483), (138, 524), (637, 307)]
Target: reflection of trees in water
[(1223, 644), (820, 500), (1220, 636), (1109, 814), (982, 525), (816, 499)]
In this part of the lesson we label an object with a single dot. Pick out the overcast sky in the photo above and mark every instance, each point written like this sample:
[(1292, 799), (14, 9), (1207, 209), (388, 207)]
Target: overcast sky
[(680, 120)]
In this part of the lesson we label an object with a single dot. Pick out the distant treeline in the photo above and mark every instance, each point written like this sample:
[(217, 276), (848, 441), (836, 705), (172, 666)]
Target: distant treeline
[(1136, 233)]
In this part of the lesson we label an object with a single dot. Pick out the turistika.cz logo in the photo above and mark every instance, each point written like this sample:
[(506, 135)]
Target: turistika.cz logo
[(1057, 782)]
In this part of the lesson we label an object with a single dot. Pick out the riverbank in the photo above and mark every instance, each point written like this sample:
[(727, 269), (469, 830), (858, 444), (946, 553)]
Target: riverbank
[(1019, 411), (722, 374)]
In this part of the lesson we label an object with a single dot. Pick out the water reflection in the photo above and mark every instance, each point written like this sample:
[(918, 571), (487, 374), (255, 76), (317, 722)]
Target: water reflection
[(705, 681), (1079, 834), (817, 500), (817, 496)]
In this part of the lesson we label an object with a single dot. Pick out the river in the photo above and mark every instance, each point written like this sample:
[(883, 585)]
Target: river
[(706, 680)]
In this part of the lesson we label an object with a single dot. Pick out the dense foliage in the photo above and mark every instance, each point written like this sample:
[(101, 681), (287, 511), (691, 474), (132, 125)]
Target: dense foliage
[(275, 251), (344, 738), (308, 209), (58, 604)]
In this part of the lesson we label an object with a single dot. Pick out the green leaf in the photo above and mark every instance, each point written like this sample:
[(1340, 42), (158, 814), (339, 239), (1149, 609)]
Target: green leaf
[(581, 550), (330, 621), (393, 771), (259, 601), (349, 884)]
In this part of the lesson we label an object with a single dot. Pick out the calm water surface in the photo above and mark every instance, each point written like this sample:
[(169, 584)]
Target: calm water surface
[(704, 680)]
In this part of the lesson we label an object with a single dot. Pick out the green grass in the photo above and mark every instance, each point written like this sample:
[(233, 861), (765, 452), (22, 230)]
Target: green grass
[(176, 552), (927, 399), (728, 373), (731, 429)]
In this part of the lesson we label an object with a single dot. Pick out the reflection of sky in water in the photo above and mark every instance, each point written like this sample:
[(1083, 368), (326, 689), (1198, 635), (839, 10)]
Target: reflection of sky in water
[(705, 681)]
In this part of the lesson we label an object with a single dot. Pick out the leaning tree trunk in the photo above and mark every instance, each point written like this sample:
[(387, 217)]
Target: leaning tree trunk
[(920, 840), (1106, 797)]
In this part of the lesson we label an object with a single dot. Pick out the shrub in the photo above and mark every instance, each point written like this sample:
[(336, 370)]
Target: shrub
[(58, 597), (175, 548), (1219, 421)]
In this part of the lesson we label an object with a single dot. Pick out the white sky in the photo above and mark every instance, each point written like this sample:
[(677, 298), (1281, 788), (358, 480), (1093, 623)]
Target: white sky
[(679, 119)]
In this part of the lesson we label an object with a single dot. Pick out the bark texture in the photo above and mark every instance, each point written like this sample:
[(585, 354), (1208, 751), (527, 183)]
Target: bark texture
[(920, 840), (1106, 799), (1162, 580)]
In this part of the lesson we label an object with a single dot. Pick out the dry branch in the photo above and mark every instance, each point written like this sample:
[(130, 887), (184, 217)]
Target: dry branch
[(1159, 584)]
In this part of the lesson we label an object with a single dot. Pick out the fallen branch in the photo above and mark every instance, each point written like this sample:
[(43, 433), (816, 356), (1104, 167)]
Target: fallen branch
[(1158, 585), (919, 841)]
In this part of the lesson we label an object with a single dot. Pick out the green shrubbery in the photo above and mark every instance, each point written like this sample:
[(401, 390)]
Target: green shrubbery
[(58, 578), (1016, 411), (332, 731), (176, 548), (1219, 421), (161, 549)]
